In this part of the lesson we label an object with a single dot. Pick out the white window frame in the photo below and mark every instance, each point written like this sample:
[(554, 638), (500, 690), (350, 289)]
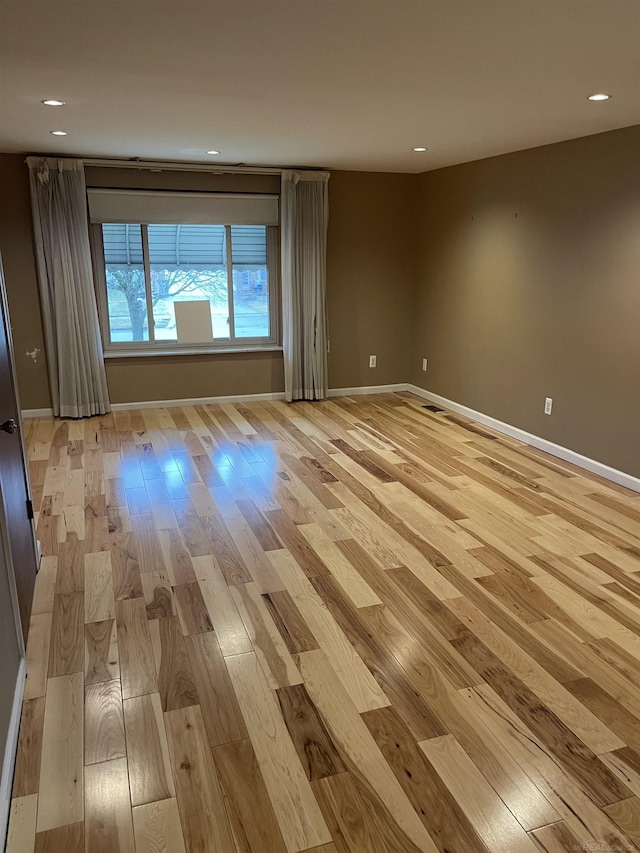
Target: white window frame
[(122, 349)]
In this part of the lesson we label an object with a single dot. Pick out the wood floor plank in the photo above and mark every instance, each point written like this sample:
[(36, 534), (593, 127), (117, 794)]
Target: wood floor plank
[(228, 625), (150, 773), (158, 595), (103, 722), (45, 586), (572, 752), (605, 707), (351, 824), (70, 567), (295, 807), (253, 821), (297, 545), (69, 839), (96, 528), (442, 815), (101, 662), (175, 679), (262, 530), (27, 769), (108, 824), (556, 838), (317, 753), (137, 667), (145, 543), (193, 613), (267, 642), (157, 828), (288, 620), (126, 569), (225, 551), (60, 791), (220, 710), (260, 568), (200, 801), (626, 815), (625, 764), (21, 833), (364, 691), (353, 584), (592, 731), (491, 819), (66, 652), (176, 557), (360, 752), (367, 629), (99, 600), (567, 797)]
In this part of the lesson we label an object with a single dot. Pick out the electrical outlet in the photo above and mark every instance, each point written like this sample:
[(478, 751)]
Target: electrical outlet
[(548, 405), (372, 361), (424, 363)]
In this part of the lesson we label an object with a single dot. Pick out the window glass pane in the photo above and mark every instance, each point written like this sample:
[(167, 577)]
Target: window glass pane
[(250, 281), (188, 262), (124, 270)]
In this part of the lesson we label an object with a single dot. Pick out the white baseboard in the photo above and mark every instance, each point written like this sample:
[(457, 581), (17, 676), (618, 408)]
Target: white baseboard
[(565, 453), (11, 746), (37, 413), (232, 398), (198, 401), (168, 404), (367, 389)]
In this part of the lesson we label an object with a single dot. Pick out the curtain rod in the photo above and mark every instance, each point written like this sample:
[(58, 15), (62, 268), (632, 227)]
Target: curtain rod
[(165, 165)]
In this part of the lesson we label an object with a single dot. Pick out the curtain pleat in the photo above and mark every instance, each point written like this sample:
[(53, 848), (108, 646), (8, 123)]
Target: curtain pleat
[(70, 315), (305, 216)]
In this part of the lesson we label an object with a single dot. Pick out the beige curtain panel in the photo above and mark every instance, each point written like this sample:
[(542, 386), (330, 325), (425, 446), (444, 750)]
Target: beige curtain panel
[(304, 220), (72, 332)]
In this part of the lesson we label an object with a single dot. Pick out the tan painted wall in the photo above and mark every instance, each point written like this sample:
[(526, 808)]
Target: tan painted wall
[(529, 286), (508, 309), (370, 273), (132, 380), (371, 257), (16, 247)]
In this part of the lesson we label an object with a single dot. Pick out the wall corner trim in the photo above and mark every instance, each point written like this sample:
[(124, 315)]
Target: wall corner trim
[(592, 465)]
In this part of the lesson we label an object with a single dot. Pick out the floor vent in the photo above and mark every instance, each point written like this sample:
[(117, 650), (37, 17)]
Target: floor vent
[(433, 408)]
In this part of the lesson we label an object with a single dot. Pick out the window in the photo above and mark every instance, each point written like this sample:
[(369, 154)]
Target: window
[(189, 283)]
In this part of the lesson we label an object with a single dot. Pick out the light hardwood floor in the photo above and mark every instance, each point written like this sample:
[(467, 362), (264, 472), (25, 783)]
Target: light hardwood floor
[(344, 626)]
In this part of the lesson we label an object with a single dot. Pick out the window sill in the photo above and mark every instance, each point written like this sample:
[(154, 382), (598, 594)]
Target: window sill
[(167, 353)]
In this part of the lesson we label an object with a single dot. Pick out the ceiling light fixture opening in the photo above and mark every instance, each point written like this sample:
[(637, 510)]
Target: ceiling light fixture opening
[(58, 132), (213, 152), (53, 102), (420, 149), (600, 96)]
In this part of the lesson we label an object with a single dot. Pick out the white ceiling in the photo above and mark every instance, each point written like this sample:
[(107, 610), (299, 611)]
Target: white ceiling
[(346, 84)]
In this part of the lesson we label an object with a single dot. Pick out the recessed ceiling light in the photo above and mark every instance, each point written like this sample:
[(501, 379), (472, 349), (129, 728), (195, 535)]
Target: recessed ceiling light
[(52, 102), (58, 132), (599, 97), (213, 152), (419, 149)]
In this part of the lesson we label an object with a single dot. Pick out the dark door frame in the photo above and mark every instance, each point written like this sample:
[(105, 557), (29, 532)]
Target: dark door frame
[(24, 606)]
